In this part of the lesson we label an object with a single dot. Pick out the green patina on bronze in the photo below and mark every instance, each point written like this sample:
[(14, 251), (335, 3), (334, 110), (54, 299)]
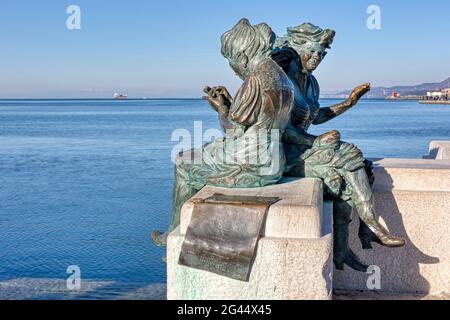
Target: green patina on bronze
[(251, 154), (280, 97), (346, 174), (223, 234)]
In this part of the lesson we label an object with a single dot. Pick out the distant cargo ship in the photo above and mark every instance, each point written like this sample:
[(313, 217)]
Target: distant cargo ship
[(119, 96)]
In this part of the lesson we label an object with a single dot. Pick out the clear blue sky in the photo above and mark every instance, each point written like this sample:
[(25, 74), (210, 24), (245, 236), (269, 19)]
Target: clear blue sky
[(171, 48)]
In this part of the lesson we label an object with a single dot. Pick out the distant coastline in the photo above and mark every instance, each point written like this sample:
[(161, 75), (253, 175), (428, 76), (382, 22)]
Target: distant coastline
[(93, 99), (418, 90), (142, 99), (408, 93)]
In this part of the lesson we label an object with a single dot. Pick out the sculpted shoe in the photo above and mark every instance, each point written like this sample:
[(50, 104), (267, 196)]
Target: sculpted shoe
[(352, 261), (376, 233), (159, 238), (342, 254)]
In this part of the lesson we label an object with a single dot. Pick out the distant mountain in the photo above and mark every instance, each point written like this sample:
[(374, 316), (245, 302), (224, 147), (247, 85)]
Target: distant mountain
[(382, 92)]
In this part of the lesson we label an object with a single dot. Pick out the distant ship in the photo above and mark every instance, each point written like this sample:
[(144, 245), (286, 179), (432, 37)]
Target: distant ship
[(119, 96)]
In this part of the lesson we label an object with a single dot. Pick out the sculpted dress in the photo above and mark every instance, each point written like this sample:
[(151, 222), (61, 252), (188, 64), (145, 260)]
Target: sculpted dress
[(347, 176), (324, 160), (251, 154)]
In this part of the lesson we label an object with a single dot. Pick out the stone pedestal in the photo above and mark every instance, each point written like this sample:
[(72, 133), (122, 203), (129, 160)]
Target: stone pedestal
[(294, 255), (439, 150), (413, 199)]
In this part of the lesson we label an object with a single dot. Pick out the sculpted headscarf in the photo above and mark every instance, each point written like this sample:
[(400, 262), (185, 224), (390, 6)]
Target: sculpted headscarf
[(307, 32), (296, 37), (241, 44), (244, 42)]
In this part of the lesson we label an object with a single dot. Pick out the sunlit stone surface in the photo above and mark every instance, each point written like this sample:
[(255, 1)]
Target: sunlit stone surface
[(294, 255), (413, 199), (439, 150)]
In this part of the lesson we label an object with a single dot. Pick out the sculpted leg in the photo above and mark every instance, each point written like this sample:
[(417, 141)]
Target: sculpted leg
[(189, 179), (363, 228), (363, 202), (343, 255), (342, 212), (182, 192)]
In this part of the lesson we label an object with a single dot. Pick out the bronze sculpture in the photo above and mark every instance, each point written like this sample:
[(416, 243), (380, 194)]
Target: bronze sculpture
[(262, 106), (280, 97), (346, 174)]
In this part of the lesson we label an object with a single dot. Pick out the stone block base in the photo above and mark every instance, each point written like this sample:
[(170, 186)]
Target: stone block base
[(439, 150), (413, 200), (284, 269), (294, 259)]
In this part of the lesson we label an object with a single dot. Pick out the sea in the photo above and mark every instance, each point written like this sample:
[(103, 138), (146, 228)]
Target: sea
[(84, 182)]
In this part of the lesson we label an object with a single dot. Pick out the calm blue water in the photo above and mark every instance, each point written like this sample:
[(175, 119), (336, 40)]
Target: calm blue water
[(84, 182)]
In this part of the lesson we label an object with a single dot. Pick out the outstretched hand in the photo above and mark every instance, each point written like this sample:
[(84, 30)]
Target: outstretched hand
[(219, 98), (358, 93)]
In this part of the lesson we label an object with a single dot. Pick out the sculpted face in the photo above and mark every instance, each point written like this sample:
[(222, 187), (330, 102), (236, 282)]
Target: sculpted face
[(311, 55), (239, 69)]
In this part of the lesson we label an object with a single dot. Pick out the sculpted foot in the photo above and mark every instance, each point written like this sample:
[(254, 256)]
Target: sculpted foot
[(376, 233), (342, 254), (159, 238), (352, 261)]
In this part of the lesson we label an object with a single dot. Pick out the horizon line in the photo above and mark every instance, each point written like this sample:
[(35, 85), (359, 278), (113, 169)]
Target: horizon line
[(141, 99)]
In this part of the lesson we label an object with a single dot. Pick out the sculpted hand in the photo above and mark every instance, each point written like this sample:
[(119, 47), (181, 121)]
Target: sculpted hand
[(358, 93), (219, 98), (328, 140)]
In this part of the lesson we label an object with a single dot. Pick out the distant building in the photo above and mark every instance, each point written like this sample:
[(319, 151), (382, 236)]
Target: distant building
[(438, 95), (433, 94), (395, 95)]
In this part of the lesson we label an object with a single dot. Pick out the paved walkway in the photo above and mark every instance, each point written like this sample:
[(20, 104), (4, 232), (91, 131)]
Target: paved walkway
[(356, 295), (51, 289)]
